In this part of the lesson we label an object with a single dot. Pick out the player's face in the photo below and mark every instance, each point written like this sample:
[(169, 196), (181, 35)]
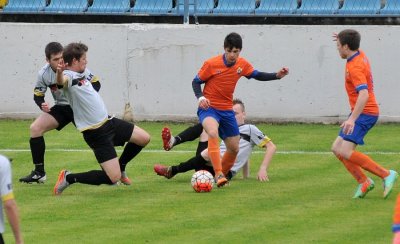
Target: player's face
[(239, 114), (81, 63), (232, 54), (55, 59), (342, 49)]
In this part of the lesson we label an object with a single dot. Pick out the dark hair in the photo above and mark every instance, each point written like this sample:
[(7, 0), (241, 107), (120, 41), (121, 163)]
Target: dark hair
[(238, 101), (73, 51), (233, 40), (52, 48), (350, 37)]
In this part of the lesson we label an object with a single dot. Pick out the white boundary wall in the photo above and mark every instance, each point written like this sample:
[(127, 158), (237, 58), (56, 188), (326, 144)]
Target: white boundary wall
[(152, 66)]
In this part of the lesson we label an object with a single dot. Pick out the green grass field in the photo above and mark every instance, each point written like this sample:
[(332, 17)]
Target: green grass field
[(308, 198)]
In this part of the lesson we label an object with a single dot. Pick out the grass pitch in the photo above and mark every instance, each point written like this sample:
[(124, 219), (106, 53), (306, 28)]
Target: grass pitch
[(308, 198)]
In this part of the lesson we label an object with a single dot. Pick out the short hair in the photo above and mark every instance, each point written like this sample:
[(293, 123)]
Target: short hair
[(233, 40), (52, 48), (238, 101), (350, 37), (74, 50)]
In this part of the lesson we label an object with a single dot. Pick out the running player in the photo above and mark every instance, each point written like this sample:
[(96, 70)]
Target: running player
[(220, 75), (56, 117), (8, 201), (250, 136), (364, 114), (100, 131)]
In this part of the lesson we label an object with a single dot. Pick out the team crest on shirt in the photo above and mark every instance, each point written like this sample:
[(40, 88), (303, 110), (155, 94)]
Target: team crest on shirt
[(239, 70)]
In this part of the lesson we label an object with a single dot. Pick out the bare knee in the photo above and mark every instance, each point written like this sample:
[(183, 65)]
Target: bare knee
[(36, 130)]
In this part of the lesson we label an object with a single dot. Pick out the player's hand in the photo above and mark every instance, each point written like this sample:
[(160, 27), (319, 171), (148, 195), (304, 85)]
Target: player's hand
[(61, 66), (45, 107), (396, 238), (262, 175), (282, 72), (335, 36), (348, 126), (204, 103)]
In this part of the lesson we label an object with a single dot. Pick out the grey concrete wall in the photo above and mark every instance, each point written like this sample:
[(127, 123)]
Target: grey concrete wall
[(152, 66)]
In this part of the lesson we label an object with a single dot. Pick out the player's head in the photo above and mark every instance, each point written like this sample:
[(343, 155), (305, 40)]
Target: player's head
[(232, 47), (53, 52), (239, 109), (348, 41), (75, 56)]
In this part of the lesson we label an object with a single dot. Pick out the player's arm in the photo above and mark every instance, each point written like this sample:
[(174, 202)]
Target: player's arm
[(39, 91), (11, 210), (270, 150), (246, 169), (362, 100), (264, 76), (61, 79), (204, 103), (96, 83)]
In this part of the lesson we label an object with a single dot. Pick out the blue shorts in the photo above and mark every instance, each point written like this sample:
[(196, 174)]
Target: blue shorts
[(226, 119), (362, 125)]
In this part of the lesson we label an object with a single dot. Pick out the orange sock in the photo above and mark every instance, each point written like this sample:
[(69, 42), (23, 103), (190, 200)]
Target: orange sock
[(214, 154), (228, 159), (368, 164), (354, 170), (396, 216)]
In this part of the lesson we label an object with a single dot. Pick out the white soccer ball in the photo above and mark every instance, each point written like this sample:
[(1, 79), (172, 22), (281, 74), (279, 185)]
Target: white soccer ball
[(202, 181)]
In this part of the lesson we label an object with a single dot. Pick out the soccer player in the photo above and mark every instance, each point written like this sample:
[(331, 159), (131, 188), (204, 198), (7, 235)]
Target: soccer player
[(220, 75), (100, 131), (364, 114), (250, 136), (396, 222), (56, 117), (8, 201)]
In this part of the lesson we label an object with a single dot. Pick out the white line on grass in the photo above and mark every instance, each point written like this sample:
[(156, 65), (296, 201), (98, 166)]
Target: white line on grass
[(191, 151)]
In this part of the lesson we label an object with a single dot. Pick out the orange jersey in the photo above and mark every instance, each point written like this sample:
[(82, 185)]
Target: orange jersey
[(220, 80), (396, 215), (358, 77)]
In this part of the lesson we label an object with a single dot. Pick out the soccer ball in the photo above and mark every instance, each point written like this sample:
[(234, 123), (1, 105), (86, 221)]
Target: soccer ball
[(202, 181)]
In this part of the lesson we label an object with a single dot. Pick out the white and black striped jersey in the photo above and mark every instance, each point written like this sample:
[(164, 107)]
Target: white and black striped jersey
[(6, 192), (250, 136), (47, 79), (89, 109)]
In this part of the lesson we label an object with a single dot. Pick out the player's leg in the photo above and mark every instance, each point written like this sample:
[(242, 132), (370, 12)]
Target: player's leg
[(347, 150), (195, 163), (45, 122), (136, 139), (101, 142), (229, 157), (229, 132), (189, 134)]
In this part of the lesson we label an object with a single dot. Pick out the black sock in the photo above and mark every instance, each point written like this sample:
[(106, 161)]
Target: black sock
[(130, 151), (94, 177), (38, 148), (193, 163), (189, 134), (201, 146)]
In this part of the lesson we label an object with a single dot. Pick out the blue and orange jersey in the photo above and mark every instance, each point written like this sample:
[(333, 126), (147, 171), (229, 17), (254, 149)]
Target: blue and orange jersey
[(359, 77), (220, 79)]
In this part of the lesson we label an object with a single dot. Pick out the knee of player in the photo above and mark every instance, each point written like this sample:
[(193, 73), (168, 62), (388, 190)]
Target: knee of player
[(36, 129)]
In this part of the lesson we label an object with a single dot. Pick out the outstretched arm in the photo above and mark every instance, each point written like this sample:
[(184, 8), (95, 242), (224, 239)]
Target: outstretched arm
[(12, 215), (264, 76), (269, 153)]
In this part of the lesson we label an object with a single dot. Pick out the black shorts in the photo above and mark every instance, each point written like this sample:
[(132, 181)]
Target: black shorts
[(114, 132), (1, 239), (63, 114)]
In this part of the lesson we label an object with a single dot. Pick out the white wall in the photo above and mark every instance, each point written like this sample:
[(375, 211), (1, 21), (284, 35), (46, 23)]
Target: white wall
[(152, 66)]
